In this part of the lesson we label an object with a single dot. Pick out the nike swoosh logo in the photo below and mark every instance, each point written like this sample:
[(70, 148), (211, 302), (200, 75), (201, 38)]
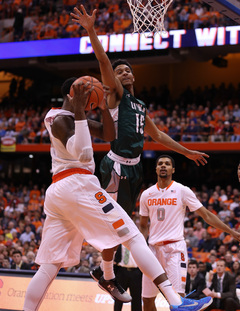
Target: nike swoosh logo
[(192, 305), (168, 285)]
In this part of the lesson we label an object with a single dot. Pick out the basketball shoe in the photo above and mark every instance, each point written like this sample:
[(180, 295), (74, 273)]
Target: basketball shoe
[(96, 273), (115, 290), (192, 305)]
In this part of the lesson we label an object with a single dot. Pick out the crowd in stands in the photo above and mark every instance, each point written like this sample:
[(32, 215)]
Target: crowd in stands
[(22, 219), (209, 114), (41, 19)]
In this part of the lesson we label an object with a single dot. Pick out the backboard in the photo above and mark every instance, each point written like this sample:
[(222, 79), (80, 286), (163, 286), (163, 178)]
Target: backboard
[(230, 8)]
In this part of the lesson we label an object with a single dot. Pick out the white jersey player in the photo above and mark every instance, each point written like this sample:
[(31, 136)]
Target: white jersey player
[(78, 208), (165, 204)]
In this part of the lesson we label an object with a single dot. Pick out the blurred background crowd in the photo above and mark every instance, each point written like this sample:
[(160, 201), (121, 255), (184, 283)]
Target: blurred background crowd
[(22, 20), (204, 114), (22, 219), (209, 114)]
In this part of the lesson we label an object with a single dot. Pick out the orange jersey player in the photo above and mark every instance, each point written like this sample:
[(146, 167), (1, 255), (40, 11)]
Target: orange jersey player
[(165, 204)]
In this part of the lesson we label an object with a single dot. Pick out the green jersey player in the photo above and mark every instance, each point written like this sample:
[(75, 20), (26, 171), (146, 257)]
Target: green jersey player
[(121, 168)]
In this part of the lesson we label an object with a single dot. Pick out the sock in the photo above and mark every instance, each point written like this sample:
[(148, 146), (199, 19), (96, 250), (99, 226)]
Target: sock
[(170, 294), (108, 272)]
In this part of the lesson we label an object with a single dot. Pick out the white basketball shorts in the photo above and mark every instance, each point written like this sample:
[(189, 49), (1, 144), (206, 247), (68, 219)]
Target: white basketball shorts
[(78, 208), (173, 258)]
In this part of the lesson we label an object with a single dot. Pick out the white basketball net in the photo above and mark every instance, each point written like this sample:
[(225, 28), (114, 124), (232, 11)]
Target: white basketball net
[(148, 15)]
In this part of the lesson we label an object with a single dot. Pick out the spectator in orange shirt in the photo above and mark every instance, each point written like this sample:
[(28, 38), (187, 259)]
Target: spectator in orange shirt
[(215, 201), (34, 203), (126, 20), (42, 135), (31, 136), (49, 33), (216, 112), (161, 125), (192, 111), (69, 4), (221, 116), (113, 7), (173, 23), (35, 191), (227, 239), (151, 111), (36, 220), (53, 19), (214, 13), (200, 111), (64, 18), (72, 28), (214, 232), (170, 11), (17, 2), (205, 15), (117, 25), (211, 209)]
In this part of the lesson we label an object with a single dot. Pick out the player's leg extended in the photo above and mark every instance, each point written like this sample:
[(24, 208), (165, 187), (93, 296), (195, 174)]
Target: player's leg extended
[(151, 267), (39, 285)]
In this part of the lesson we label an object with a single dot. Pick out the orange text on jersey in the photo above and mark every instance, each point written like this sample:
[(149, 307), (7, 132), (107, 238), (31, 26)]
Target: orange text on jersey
[(162, 201)]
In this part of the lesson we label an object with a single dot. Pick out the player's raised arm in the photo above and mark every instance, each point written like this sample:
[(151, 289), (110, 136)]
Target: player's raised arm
[(63, 126), (87, 21), (167, 141)]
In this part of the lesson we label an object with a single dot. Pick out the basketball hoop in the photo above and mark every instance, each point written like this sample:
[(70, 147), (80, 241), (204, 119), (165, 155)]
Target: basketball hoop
[(148, 15)]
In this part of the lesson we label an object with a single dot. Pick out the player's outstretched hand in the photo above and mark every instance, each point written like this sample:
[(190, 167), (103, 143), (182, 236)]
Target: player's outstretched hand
[(197, 157), (81, 17)]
